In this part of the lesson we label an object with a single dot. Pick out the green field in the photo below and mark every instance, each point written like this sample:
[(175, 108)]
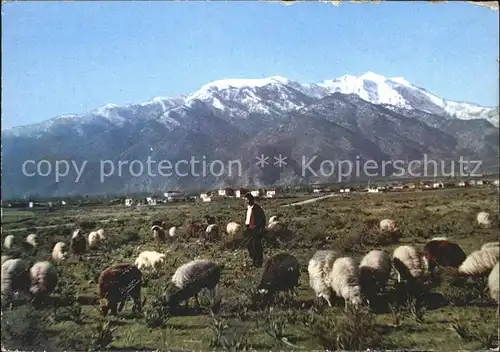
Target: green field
[(456, 315)]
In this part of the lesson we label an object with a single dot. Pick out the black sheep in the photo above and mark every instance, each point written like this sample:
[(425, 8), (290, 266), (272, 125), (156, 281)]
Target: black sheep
[(281, 273)]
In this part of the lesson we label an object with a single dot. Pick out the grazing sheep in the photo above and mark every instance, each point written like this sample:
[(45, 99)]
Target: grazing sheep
[(211, 232), (116, 284), (194, 229), (480, 262), (15, 278), (101, 234), (209, 220), (276, 226), (9, 241), (94, 240), (490, 244), (44, 278), (388, 225), (344, 280), (172, 231), (281, 273), (439, 238), (159, 234), (59, 252), (493, 285), (78, 243), (483, 219), (374, 272), (31, 239), (233, 229), (408, 263), (273, 219), (442, 253), (150, 259), (190, 278), (5, 258), (319, 268)]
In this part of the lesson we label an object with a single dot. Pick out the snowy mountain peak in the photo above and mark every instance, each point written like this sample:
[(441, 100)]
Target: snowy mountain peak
[(244, 83), (373, 77)]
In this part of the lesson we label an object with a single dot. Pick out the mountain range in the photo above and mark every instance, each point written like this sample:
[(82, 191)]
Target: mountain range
[(366, 118)]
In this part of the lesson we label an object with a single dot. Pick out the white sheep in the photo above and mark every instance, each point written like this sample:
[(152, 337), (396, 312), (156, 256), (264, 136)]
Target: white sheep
[(490, 244), (483, 219), (9, 241), (493, 284), (190, 278), (150, 259), (233, 229), (59, 252), (172, 231), (15, 278), (319, 268), (5, 258), (273, 219), (94, 240), (44, 278), (408, 263), (344, 280), (101, 234), (276, 226), (388, 225), (439, 239), (375, 270), (31, 239), (480, 262)]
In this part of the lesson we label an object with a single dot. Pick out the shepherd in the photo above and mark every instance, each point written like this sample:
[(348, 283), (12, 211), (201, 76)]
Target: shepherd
[(255, 227)]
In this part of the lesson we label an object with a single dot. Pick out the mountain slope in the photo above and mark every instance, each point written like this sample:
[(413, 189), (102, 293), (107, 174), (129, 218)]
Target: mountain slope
[(234, 121)]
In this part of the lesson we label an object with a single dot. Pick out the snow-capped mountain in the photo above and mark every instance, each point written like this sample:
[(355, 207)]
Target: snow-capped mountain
[(369, 116), (400, 93)]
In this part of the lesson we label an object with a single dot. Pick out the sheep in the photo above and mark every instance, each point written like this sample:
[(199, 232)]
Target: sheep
[(211, 232), (233, 229), (116, 284), (278, 230), (209, 220), (408, 263), (31, 239), (190, 278), (319, 267), (44, 278), (442, 253), (94, 239), (15, 278), (172, 231), (158, 234), (101, 234), (150, 259), (78, 243), (344, 280), (9, 241), (388, 225), (59, 252), (281, 273), (276, 226), (493, 285), (480, 262), (439, 238), (5, 258), (490, 244), (374, 272), (194, 229), (273, 219), (483, 219)]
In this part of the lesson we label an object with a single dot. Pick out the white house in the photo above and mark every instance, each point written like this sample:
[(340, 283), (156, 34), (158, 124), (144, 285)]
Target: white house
[(345, 190), (373, 190), (128, 202), (237, 193), (461, 184), (151, 201), (63, 202), (271, 193), (318, 190), (438, 185), (255, 193), (207, 199), (479, 182), (203, 195), (222, 192), (496, 182), (30, 204)]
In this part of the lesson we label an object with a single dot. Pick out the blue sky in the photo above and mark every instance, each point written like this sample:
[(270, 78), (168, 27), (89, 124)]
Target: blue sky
[(71, 57)]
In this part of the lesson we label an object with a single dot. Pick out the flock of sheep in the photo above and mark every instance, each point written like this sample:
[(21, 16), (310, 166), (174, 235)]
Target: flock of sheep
[(331, 274)]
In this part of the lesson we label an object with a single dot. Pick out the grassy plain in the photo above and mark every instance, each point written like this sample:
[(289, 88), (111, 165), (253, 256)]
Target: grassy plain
[(460, 315)]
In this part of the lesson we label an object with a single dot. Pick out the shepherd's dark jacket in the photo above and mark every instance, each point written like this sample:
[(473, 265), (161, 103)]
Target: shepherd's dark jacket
[(259, 218)]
